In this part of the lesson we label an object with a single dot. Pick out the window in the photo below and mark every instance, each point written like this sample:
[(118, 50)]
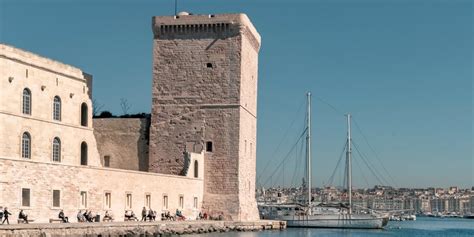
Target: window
[(57, 108), (84, 115), (25, 197), (209, 146), (196, 169), (181, 201), (56, 150), (128, 201), (147, 200), (56, 198), (106, 161), (209, 65), (26, 101), (83, 199), (26, 145), (165, 202), (108, 200), (195, 203), (83, 153)]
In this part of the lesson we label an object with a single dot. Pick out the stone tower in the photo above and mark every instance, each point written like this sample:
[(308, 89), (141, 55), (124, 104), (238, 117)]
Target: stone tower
[(205, 100)]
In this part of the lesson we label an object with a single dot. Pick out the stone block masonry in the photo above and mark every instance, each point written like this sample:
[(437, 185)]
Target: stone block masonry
[(83, 188), (123, 142), (204, 98)]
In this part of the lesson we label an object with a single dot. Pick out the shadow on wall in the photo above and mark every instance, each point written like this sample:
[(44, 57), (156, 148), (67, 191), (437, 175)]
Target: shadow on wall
[(143, 144)]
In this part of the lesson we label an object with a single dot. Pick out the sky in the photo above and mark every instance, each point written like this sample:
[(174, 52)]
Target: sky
[(403, 69)]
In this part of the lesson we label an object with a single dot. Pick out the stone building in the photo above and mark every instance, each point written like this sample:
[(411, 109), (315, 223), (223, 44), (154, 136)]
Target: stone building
[(197, 153), (205, 100)]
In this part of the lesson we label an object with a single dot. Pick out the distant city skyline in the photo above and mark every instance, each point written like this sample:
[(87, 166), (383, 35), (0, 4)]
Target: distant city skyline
[(404, 69)]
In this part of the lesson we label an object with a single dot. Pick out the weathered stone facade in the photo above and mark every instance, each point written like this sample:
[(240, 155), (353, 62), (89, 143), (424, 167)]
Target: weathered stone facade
[(205, 99), (42, 178), (123, 141), (45, 79), (32, 173)]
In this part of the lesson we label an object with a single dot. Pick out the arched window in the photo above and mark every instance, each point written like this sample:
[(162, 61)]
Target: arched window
[(56, 149), (83, 153), (26, 145), (26, 101), (84, 114), (196, 169), (57, 108)]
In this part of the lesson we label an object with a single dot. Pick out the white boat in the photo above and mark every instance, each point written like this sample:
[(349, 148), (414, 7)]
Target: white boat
[(309, 215)]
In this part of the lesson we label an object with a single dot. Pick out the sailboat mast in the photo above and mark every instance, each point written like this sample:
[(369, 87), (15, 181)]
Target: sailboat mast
[(308, 147), (349, 160)]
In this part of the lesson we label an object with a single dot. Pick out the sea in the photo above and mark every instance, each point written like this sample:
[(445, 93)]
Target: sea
[(423, 226)]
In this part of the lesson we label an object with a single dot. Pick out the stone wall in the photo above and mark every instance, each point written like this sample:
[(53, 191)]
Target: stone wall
[(124, 141), (204, 91), (45, 78), (42, 179)]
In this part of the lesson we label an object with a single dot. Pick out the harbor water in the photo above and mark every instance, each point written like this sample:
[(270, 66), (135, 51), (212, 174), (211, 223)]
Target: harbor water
[(423, 226)]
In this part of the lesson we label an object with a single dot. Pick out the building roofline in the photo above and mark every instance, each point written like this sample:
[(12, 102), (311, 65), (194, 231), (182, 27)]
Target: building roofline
[(35, 60)]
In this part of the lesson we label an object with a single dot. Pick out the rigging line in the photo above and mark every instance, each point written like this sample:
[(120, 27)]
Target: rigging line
[(286, 157), (282, 140), (361, 172), (331, 179), (330, 105), (368, 166), (374, 167), (301, 164), (373, 150), (296, 165)]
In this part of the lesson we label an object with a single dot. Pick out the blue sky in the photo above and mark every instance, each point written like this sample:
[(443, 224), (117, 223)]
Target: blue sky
[(403, 68)]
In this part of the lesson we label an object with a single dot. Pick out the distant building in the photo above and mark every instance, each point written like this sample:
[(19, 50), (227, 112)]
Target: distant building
[(438, 205), (471, 202)]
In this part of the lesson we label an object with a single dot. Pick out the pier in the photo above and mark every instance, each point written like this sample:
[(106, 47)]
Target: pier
[(134, 228)]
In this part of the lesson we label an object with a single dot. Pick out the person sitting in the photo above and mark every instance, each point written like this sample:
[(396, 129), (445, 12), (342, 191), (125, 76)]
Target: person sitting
[(88, 216), (144, 214), (199, 217), (23, 216), (64, 218), (80, 216), (127, 215), (179, 215), (168, 217), (133, 216), (108, 216), (204, 216), (91, 216)]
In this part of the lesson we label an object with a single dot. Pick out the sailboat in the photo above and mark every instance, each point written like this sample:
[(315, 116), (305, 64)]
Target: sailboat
[(324, 216)]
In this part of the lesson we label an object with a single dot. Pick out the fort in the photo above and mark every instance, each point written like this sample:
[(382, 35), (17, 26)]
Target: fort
[(197, 152)]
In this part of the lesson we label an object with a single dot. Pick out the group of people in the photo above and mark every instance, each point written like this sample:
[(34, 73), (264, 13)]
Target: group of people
[(150, 214), (4, 214), (85, 216), (202, 216), (166, 216), (88, 216)]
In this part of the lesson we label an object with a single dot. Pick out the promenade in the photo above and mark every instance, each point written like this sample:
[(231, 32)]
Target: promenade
[(132, 228)]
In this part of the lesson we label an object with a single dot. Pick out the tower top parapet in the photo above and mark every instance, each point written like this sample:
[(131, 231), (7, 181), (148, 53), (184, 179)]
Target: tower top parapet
[(209, 25)]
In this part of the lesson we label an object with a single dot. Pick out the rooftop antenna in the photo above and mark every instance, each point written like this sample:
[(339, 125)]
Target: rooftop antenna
[(175, 7)]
